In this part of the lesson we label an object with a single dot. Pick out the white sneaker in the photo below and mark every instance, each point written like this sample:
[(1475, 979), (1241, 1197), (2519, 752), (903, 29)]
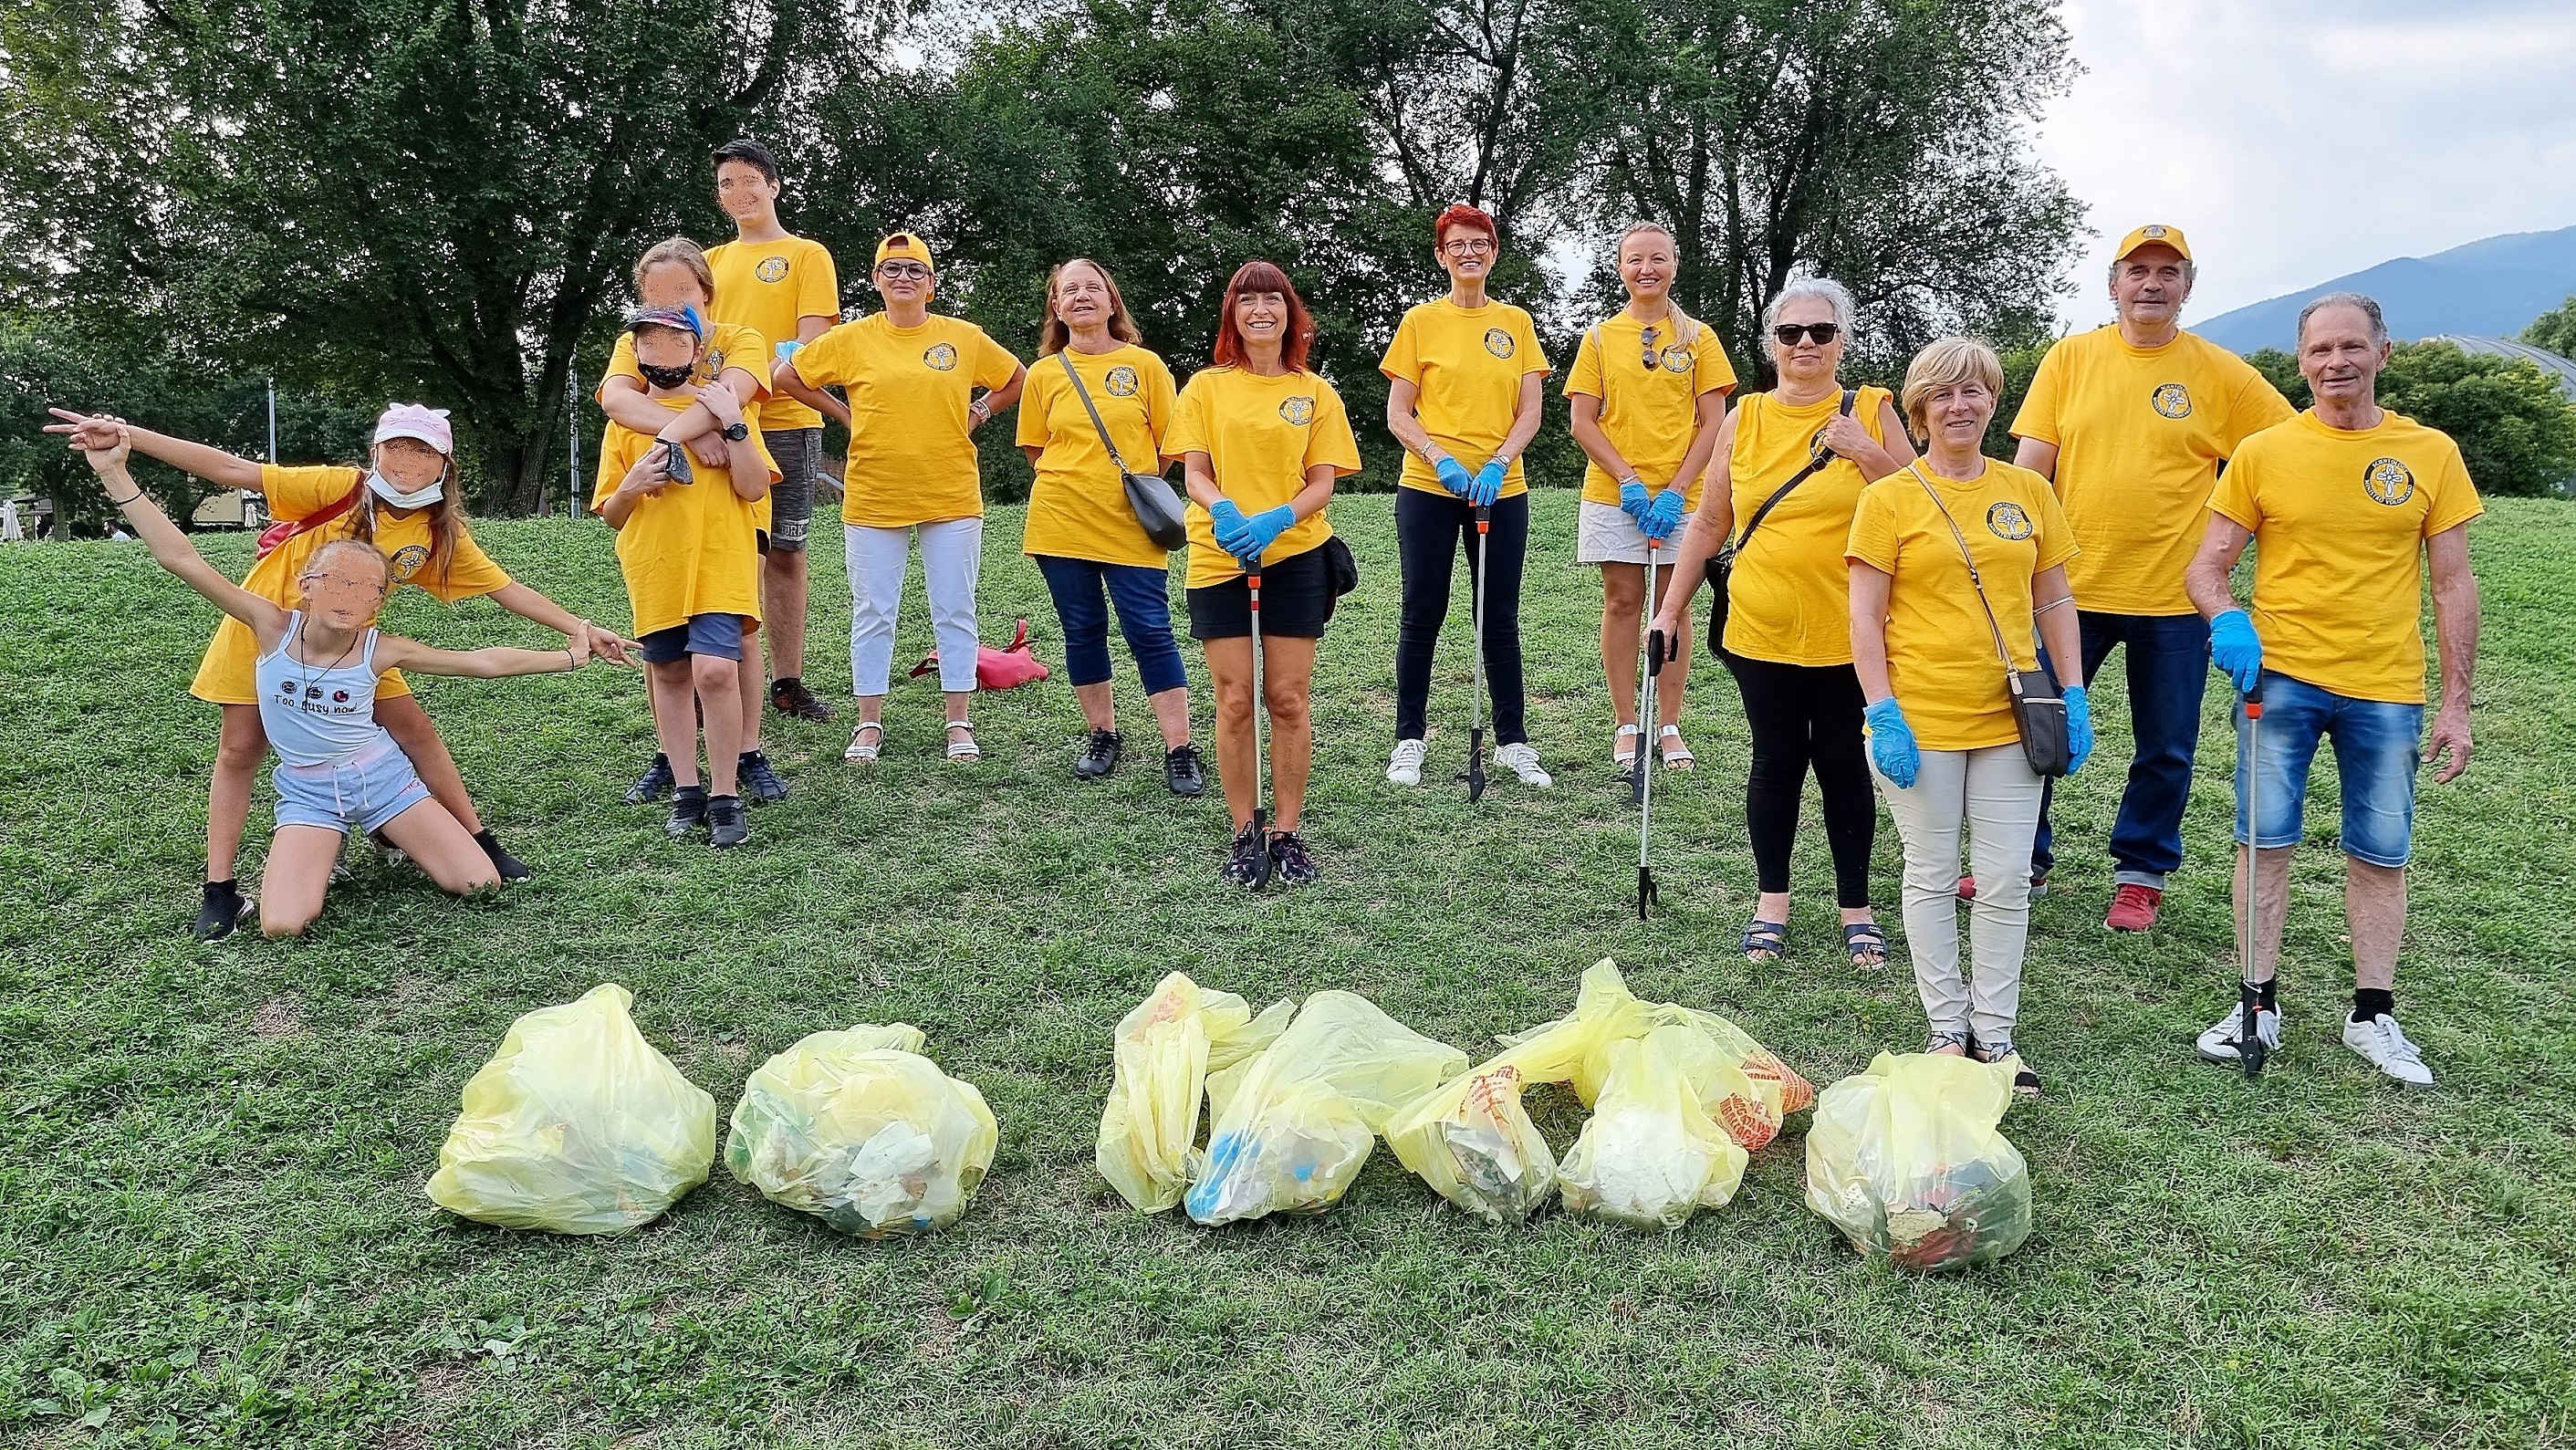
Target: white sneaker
[(2218, 1044), (1521, 758), (1404, 767), (2387, 1049)]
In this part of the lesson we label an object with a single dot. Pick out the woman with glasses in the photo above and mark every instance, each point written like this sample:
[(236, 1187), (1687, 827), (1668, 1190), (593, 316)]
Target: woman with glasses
[(1786, 602), (911, 379), (1648, 426), (1463, 390)]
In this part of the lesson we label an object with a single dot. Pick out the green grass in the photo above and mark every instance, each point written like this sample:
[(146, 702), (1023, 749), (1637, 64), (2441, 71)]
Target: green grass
[(212, 1228)]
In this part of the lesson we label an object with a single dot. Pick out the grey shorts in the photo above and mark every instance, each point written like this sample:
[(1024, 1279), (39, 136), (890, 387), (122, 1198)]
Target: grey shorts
[(799, 454)]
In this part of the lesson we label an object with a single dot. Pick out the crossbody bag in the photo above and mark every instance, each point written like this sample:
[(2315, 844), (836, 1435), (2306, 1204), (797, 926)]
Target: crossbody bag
[(1150, 496), (1723, 565), (2038, 708)]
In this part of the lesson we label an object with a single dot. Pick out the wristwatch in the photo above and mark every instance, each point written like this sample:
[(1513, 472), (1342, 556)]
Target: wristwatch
[(737, 431)]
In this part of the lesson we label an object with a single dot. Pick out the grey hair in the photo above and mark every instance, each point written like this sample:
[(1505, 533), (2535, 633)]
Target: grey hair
[(1832, 293), (2366, 306)]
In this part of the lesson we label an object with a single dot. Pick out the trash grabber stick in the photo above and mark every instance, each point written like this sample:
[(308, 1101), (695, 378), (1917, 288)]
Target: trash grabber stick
[(1475, 773), (2250, 1049), (1647, 896), (1645, 689), (1260, 756)]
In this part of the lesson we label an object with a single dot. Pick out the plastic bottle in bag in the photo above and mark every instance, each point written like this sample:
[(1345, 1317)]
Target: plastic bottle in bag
[(1907, 1160), (1164, 1049), (861, 1130)]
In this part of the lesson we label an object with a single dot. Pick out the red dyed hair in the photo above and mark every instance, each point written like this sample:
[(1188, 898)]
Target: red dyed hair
[(1459, 214), (1264, 277)]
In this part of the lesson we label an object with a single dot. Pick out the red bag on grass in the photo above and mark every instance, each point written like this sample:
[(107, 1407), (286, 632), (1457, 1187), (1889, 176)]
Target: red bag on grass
[(997, 669)]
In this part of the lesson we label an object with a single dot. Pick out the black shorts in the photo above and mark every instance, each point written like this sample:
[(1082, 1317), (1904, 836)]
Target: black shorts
[(1296, 600)]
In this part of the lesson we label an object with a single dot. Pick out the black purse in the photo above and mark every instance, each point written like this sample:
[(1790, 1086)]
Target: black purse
[(1723, 563), (2039, 709), (1150, 496)]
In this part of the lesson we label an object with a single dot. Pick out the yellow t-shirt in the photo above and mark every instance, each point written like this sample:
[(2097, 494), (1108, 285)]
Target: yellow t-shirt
[(2339, 520), (732, 345), (1650, 414), (2140, 435), (226, 675), (1940, 650), (912, 460), (1469, 366), (1260, 435), (688, 549), (1789, 597), (769, 287), (1077, 504)]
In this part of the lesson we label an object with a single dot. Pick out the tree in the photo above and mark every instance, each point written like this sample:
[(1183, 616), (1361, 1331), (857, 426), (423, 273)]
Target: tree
[(2555, 329), (2516, 430)]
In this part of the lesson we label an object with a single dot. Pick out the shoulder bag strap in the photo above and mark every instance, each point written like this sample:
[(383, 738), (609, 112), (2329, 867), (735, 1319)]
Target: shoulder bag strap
[(1975, 580), (1084, 394), (1816, 461)]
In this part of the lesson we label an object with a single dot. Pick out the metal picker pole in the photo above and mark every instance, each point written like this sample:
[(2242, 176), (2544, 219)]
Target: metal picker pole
[(272, 420), (2250, 1047)]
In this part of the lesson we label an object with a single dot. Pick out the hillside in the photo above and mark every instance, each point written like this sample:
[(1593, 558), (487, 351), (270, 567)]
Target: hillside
[(2490, 288)]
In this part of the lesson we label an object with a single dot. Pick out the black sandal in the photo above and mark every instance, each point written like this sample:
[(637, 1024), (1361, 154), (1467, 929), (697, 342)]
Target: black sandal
[(1867, 943), (2025, 1082), (1768, 937)]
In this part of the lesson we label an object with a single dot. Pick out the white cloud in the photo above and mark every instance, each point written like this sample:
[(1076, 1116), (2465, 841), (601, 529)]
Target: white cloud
[(2297, 140)]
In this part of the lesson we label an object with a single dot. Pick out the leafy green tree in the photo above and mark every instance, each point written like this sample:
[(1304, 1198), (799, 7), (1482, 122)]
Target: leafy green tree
[(2555, 329), (2516, 430)]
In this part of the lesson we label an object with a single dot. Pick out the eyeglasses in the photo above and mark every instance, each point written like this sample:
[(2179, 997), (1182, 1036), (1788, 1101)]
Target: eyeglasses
[(1788, 333), (903, 272), (1649, 337), (1468, 247)]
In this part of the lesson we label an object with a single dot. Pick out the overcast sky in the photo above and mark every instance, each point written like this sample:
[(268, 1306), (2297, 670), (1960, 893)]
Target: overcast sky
[(2297, 140)]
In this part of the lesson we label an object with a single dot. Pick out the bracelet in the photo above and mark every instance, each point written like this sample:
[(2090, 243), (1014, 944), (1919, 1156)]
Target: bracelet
[(126, 502), (572, 662), (1637, 479), (2052, 604)]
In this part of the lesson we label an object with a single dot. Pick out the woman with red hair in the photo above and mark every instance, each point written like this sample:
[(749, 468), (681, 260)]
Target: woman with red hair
[(1262, 440), (1463, 383)]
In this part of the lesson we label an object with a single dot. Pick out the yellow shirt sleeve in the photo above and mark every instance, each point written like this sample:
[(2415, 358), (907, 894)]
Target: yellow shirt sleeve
[(2257, 405), (1711, 370), (1404, 355), (2233, 498), (2056, 539), (2038, 416), (470, 573), (1035, 398), (994, 363), (1873, 531), (825, 362), (1585, 376), (818, 289), (1533, 357), (1160, 405), (1189, 432), (295, 493), (1330, 439), (2455, 497)]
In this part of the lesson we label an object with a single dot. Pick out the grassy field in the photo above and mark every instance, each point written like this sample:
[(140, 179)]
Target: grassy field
[(212, 1229)]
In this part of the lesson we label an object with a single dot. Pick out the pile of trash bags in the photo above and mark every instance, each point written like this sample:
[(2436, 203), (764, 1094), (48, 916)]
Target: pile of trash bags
[(1907, 1161), (1163, 1052)]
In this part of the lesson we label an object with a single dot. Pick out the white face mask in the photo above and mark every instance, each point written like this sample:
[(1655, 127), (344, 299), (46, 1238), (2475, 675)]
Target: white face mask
[(386, 489)]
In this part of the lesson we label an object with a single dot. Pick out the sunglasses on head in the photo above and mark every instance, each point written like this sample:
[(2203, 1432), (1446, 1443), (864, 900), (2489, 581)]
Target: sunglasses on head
[(1788, 333), (903, 271)]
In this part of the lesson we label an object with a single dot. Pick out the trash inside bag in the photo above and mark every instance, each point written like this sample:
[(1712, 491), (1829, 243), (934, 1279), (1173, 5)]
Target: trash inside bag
[(577, 1125), (1651, 1155), (1906, 1160), (1165, 1048), (1293, 1124), (861, 1130)]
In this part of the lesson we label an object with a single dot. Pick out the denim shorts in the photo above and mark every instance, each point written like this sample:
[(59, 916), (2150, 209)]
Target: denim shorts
[(2375, 749), (355, 793), (715, 635)]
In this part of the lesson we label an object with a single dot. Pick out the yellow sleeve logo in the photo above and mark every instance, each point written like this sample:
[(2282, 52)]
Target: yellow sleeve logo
[(771, 269), (2388, 481), (408, 559), (2173, 400)]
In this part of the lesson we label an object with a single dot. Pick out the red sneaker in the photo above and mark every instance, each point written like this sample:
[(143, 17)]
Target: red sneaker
[(2133, 907)]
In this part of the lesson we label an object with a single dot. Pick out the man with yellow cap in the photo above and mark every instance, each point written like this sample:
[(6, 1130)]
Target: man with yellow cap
[(2133, 422)]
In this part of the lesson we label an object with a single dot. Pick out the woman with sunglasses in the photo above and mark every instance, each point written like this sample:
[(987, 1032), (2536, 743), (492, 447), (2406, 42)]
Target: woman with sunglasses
[(1787, 604), (1648, 427), (1463, 392)]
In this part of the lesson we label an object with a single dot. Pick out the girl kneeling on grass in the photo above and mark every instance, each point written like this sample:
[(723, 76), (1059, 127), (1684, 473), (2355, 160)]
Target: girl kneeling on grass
[(316, 669)]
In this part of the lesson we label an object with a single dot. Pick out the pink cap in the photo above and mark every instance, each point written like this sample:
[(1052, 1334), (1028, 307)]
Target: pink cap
[(411, 420)]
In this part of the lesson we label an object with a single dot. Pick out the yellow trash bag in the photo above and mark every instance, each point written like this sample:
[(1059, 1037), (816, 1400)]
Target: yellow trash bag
[(577, 1125), (1293, 1125), (1165, 1048), (861, 1130), (1651, 1155), (1750, 1110), (1906, 1160), (1471, 1139)]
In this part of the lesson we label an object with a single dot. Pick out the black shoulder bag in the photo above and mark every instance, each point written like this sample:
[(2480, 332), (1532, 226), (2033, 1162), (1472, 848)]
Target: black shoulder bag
[(2039, 710), (1150, 496), (1723, 564)]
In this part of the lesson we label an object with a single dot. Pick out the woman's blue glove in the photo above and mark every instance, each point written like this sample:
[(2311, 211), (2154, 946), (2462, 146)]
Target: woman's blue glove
[(1264, 529), (1233, 531), (1633, 500), (1454, 476), (1891, 743), (2237, 649), (2079, 729), (1664, 516), (1488, 483)]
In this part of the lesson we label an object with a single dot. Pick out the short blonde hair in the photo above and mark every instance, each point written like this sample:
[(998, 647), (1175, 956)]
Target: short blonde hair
[(1950, 361)]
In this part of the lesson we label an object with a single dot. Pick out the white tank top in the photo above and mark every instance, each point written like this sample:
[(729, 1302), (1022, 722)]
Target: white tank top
[(314, 715)]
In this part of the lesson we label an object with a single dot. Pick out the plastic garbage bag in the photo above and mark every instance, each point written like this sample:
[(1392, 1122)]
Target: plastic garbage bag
[(577, 1125), (1751, 1109), (861, 1130), (1907, 1161), (1165, 1048), (1293, 1124), (1651, 1155)]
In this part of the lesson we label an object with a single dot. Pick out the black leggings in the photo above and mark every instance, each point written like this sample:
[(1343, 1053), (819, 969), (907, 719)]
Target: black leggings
[(1429, 528), (1806, 715)]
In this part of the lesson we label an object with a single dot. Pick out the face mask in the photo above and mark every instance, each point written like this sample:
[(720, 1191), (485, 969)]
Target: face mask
[(666, 377), (391, 492)]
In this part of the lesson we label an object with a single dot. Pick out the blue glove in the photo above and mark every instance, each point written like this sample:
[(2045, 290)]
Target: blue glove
[(1488, 483), (2079, 729), (1891, 743), (1264, 529), (1632, 501), (1664, 516), (2237, 650), (1454, 476), (1233, 531)]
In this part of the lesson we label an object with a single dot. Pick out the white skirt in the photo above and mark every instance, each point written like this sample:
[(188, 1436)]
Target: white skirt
[(1604, 534)]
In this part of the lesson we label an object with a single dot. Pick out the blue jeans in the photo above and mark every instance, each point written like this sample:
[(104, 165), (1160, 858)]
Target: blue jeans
[(2168, 666), (1144, 603), (2375, 745)]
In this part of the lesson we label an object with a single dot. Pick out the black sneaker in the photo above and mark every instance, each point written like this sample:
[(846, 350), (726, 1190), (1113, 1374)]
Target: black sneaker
[(788, 696), (1100, 756), (1183, 772), (655, 783), (510, 867), (1247, 864), (758, 781), (688, 810), (223, 908), (1288, 855), (725, 825)]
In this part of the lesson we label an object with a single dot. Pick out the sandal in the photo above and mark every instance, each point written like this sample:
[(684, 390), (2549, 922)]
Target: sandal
[(864, 749), (1766, 942), (1677, 756), (966, 749), (1942, 1043), (1867, 943), (1623, 748), (2025, 1082)]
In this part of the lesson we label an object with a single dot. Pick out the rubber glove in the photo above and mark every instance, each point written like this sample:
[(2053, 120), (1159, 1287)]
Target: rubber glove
[(1264, 529), (1488, 483), (1891, 743), (1233, 531), (2236, 649), (2079, 729), (1664, 516), (1454, 476), (1633, 500)]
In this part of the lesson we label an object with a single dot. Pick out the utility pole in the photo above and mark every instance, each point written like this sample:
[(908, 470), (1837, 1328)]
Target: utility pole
[(272, 420)]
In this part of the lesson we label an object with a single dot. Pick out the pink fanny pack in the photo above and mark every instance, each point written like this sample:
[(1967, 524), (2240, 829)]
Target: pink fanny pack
[(997, 669)]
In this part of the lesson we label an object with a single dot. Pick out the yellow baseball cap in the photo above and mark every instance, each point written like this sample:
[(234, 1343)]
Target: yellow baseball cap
[(906, 246), (2155, 233)]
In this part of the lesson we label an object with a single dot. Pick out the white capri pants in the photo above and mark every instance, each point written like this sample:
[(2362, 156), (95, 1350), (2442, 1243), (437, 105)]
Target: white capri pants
[(952, 553), (1996, 795)]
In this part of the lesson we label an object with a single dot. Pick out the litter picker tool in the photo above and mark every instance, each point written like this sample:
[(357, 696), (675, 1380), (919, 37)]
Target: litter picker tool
[(2250, 1049), (1260, 756), (1648, 674), (1474, 775)]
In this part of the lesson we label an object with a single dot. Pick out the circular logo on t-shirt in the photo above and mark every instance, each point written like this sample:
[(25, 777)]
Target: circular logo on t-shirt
[(2008, 521), (1121, 381), (2388, 481), (1297, 410), (770, 269), (408, 559), (2173, 400), (711, 367), (1498, 342), (940, 357), (1677, 359)]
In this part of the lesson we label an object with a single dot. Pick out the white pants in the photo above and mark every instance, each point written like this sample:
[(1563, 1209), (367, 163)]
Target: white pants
[(951, 555), (1996, 795)]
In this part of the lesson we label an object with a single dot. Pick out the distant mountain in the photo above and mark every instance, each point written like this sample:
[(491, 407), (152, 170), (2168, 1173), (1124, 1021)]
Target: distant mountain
[(2492, 288)]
